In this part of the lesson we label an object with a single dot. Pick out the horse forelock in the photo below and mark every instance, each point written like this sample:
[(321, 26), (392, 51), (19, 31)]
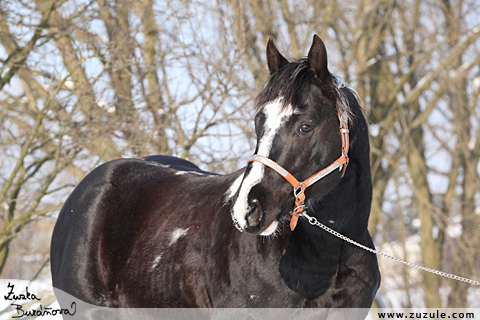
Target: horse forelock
[(295, 77), (284, 84)]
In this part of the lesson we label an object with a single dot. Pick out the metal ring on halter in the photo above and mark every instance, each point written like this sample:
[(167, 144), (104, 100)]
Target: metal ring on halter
[(298, 191), (302, 206)]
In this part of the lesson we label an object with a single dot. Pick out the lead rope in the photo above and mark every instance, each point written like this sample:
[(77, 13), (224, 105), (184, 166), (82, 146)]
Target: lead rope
[(314, 222)]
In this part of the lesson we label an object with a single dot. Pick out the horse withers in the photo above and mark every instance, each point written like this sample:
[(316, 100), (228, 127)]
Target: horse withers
[(160, 232)]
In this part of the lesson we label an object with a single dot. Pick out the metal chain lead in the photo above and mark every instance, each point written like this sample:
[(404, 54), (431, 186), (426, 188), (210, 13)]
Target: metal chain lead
[(314, 222)]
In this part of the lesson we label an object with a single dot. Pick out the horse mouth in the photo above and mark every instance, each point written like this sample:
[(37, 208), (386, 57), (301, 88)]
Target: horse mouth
[(270, 229), (253, 220), (256, 221)]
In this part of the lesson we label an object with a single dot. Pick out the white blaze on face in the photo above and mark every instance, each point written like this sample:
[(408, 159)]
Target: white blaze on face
[(275, 117)]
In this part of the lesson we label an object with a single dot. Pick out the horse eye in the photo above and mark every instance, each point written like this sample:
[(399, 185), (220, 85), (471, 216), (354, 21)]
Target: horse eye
[(305, 128)]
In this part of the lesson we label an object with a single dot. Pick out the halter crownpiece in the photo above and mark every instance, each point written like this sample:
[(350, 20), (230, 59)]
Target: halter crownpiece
[(299, 187)]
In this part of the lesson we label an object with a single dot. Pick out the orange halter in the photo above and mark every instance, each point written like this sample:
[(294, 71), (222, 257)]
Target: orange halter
[(299, 187)]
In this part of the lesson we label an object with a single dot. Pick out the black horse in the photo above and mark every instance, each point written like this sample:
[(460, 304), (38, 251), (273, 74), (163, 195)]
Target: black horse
[(160, 232)]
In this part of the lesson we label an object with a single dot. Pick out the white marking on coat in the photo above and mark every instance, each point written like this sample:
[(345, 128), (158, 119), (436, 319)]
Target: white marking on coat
[(153, 163), (178, 173), (157, 260), (177, 234)]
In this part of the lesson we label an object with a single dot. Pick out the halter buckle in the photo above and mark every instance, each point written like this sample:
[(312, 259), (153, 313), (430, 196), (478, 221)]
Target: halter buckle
[(298, 191)]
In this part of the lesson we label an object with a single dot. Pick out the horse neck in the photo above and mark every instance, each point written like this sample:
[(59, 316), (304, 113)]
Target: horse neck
[(346, 208), (312, 251)]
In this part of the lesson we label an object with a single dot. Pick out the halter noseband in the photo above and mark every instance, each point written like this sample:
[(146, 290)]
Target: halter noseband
[(299, 187)]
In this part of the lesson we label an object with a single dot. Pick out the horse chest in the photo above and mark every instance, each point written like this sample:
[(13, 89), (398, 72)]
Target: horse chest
[(249, 276), (190, 269)]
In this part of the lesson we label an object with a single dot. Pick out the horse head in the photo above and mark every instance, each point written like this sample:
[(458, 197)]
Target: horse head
[(297, 126)]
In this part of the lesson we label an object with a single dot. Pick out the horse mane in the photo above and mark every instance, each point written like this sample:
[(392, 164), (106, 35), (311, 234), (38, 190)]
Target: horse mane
[(296, 77)]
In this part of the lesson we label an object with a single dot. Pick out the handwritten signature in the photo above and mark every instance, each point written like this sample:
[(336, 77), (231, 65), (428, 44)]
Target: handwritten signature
[(39, 312)]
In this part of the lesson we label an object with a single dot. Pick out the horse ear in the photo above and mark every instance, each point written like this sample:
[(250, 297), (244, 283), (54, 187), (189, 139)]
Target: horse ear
[(317, 58), (274, 59)]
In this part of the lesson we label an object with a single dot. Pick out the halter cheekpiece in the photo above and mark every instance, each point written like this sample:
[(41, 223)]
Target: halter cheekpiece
[(299, 187)]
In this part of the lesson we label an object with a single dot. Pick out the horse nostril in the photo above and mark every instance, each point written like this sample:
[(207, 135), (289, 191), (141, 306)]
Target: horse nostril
[(254, 215)]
